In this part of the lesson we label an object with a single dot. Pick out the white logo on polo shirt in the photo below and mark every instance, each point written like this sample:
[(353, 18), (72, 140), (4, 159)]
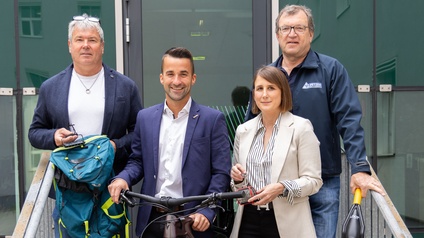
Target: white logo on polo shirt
[(312, 85)]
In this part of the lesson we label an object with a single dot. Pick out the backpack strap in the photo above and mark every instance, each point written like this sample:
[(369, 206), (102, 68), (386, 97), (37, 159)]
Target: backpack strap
[(54, 180), (60, 223), (85, 141), (87, 229), (105, 207), (94, 138)]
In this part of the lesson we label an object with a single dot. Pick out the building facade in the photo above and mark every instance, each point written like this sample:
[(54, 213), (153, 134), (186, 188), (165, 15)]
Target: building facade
[(229, 40)]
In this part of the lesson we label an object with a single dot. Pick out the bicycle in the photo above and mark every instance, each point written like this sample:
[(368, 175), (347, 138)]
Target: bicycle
[(178, 224)]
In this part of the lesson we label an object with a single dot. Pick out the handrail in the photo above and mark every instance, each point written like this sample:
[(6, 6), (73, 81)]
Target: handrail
[(380, 215), (389, 212), (35, 200), (391, 216)]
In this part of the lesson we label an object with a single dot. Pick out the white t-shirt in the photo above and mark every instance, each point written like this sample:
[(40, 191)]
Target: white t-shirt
[(86, 110)]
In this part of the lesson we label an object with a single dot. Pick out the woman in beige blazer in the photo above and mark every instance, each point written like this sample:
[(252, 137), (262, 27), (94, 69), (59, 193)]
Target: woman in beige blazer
[(276, 154)]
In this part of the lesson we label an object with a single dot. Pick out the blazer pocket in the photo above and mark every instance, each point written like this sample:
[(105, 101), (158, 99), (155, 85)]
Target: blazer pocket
[(200, 140), (120, 99), (200, 148), (121, 108)]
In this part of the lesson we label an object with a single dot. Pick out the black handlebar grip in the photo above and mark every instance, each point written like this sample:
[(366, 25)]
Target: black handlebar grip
[(231, 195)]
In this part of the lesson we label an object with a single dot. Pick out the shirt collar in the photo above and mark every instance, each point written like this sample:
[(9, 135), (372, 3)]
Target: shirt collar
[(276, 124), (310, 61), (185, 110)]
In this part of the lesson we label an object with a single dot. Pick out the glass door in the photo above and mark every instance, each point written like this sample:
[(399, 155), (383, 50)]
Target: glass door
[(9, 176), (219, 35), (34, 48), (9, 185)]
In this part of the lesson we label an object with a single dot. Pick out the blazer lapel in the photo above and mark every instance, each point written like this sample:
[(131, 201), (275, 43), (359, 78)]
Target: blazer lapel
[(110, 86), (156, 121), (193, 119), (281, 145), (63, 91), (246, 139)]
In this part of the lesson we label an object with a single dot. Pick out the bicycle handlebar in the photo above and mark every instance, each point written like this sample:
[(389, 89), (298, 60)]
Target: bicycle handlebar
[(172, 202)]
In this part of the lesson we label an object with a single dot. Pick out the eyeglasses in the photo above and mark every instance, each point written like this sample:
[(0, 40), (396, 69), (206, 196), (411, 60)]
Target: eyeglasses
[(74, 132), (82, 18), (299, 29), (78, 142)]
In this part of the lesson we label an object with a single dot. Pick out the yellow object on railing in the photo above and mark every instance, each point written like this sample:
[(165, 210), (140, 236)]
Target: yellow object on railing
[(358, 197), (354, 225)]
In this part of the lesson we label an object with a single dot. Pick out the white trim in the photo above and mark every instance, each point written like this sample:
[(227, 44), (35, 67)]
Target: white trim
[(119, 37), (275, 47)]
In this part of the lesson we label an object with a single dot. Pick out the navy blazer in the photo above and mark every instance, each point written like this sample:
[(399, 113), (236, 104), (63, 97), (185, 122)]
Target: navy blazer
[(122, 103), (206, 161)]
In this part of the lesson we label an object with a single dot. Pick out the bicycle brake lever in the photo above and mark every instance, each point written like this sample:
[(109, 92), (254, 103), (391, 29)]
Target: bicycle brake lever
[(129, 201), (209, 202)]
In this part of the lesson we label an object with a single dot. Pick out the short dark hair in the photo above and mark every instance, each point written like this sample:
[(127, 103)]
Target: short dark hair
[(274, 76), (181, 53)]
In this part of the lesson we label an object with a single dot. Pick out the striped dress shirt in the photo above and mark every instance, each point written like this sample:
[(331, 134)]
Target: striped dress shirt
[(259, 159)]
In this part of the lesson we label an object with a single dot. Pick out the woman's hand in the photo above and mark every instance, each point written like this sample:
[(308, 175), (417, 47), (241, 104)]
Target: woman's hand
[(267, 194), (238, 173)]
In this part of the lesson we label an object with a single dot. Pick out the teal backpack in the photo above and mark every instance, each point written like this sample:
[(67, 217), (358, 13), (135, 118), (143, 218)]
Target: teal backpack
[(82, 199)]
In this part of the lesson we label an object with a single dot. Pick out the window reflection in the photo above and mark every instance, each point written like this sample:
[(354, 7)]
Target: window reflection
[(43, 52), (9, 205), (30, 20)]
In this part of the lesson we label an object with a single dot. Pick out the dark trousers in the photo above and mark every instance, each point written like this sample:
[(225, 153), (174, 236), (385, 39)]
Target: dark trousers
[(155, 229), (258, 223)]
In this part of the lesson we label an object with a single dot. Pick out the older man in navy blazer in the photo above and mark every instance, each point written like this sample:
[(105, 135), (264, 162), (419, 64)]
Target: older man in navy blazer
[(94, 98), (87, 97), (122, 103), (180, 148)]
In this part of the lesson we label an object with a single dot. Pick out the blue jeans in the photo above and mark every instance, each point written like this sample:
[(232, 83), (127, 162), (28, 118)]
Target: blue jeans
[(325, 208), (55, 216)]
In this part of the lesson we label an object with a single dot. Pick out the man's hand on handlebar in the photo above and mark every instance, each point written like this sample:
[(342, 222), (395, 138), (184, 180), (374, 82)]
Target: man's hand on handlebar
[(116, 187), (200, 222)]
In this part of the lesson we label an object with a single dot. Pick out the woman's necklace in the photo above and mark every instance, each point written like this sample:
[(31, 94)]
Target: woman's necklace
[(87, 90)]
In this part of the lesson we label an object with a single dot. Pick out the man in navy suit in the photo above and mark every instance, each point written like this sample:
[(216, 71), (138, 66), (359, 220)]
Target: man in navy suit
[(180, 148)]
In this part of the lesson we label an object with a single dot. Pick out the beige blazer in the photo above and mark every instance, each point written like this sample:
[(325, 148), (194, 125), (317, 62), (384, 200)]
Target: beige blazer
[(297, 158)]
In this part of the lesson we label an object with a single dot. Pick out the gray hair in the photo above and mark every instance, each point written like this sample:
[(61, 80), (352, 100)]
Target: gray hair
[(85, 24), (293, 9)]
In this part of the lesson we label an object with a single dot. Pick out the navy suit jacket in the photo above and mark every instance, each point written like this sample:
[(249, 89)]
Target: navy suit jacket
[(122, 103), (206, 161)]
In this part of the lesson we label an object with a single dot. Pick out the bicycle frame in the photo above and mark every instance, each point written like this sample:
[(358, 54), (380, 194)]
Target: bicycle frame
[(178, 226)]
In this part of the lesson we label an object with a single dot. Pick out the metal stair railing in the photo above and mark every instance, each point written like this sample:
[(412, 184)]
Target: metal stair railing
[(35, 217), (380, 215)]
